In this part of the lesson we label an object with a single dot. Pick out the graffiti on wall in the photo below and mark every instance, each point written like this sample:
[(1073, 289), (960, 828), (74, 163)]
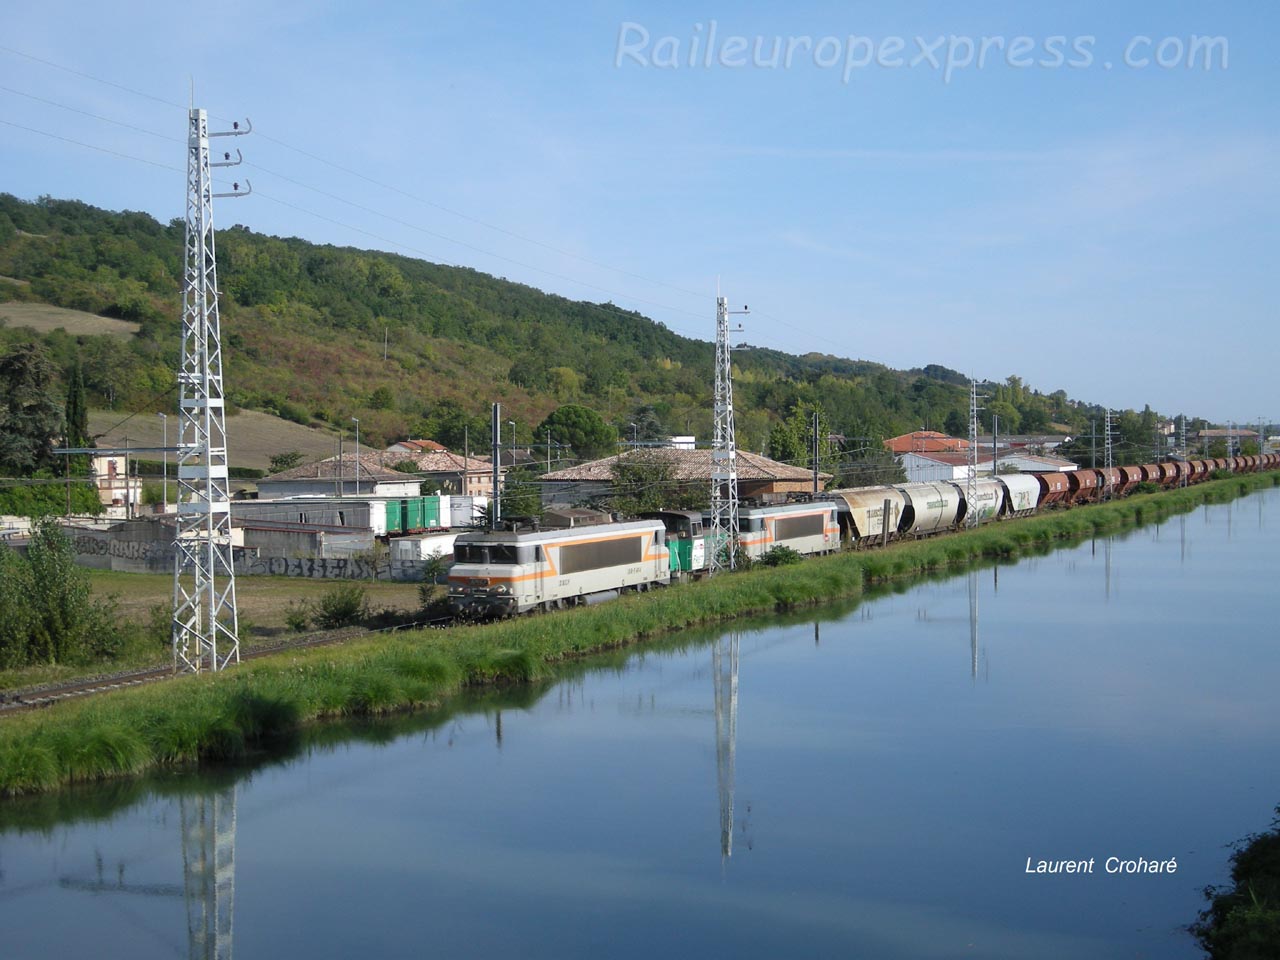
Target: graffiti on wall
[(317, 568)]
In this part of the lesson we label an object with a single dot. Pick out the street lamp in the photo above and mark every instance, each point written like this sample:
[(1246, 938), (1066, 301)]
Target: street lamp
[(356, 420), (164, 480), (635, 442)]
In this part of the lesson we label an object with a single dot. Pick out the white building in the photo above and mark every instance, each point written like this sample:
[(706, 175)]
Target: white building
[(943, 465), (115, 487)]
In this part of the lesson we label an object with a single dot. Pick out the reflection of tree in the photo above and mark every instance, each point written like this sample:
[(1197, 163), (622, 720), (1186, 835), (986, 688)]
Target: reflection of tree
[(1242, 921)]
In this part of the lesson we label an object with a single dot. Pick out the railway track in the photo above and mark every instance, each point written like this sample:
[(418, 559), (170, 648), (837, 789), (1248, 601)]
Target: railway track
[(46, 695)]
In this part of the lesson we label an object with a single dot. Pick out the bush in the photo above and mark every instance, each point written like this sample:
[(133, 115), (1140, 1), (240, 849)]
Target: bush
[(47, 614), (1243, 920), (342, 606), (298, 615), (779, 555)]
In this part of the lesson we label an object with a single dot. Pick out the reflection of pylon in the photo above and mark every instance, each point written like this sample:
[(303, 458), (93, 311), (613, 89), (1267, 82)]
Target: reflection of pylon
[(973, 624), (724, 666), (209, 867)]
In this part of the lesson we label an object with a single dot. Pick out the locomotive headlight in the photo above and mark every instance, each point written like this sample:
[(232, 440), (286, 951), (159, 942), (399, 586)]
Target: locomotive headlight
[(502, 590)]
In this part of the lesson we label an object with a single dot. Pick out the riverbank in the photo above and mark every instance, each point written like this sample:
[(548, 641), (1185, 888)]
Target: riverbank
[(211, 718)]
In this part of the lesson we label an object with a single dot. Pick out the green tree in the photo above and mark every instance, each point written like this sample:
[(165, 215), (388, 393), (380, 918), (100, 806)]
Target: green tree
[(77, 422), (1009, 418), (31, 417), (581, 429), (521, 494), (643, 480), (784, 445), (281, 462), (382, 398), (15, 608), (791, 441), (66, 623), (870, 467)]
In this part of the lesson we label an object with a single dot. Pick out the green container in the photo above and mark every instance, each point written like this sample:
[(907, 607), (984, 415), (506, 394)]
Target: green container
[(413, 521), (395, 524), (681, 555), (431, 513)]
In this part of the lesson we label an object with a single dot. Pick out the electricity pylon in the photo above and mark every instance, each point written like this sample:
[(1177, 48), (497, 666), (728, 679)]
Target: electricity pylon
[(724, 450), (205, 630)]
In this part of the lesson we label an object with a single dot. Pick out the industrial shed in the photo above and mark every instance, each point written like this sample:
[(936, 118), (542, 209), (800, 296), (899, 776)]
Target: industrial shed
[(345, 476), (758, 476)]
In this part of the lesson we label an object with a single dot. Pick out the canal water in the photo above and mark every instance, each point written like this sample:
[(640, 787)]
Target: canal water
[(867, 781)]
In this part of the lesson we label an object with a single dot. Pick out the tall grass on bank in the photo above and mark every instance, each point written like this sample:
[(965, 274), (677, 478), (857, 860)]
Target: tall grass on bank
[(232, 715)]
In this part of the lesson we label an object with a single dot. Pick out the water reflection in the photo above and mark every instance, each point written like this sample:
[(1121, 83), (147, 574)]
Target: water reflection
[(209, 872), (973, 624), (724, 670), (580, 812)]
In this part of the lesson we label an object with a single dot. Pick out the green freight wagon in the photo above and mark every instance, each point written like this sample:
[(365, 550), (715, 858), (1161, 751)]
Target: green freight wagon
[(395, 516)]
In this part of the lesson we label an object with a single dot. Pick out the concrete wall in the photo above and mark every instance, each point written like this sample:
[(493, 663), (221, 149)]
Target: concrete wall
[(146, 547)]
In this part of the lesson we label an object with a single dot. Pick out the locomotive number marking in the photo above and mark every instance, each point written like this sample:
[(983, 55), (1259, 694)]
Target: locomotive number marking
[(564, 583), (631, 570)]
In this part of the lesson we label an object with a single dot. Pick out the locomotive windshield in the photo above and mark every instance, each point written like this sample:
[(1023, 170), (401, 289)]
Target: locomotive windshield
[(495, 553)]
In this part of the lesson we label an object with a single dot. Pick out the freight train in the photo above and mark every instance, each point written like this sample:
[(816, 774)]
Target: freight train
[(501, 573)]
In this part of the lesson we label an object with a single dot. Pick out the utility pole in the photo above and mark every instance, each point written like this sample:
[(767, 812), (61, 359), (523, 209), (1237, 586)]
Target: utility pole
[(164, 467), (995, 445), (724, 451), (128, 503), (356, 421), (496, 430), (815, 452), (1093, 445), (205, 628)]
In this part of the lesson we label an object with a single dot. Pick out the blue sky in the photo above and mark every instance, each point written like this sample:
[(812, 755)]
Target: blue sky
[(1107, 231)]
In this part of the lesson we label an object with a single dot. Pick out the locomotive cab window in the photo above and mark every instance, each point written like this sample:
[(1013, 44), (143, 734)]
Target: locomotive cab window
[(502, 553)]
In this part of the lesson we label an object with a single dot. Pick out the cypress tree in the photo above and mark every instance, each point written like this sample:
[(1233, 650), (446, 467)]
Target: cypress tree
[(77, 418)]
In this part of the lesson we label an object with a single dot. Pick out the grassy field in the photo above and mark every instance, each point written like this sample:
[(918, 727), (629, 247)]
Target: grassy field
[(253, 438), (216, 717), (43, 318), (263, 603)]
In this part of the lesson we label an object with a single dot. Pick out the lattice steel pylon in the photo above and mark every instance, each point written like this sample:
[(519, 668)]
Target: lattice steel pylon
[(971, 480), (724, 451), (1107, 458), (205, 629), (724, 666), (1183, 453)]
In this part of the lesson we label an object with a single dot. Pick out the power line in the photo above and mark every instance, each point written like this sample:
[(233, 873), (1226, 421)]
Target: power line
[(91, 146), (394, 189), (86, 113), (368, 179)]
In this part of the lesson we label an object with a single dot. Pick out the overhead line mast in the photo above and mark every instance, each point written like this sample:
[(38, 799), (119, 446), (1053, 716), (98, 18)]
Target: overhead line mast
[(205, 628), (971, 478), (724, 449)]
